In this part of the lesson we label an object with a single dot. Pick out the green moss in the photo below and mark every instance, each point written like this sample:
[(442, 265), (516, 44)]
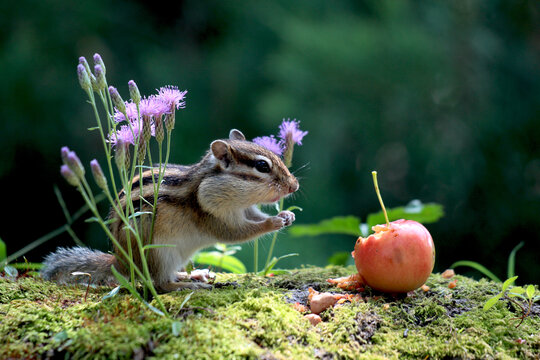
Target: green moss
[(250, 316)]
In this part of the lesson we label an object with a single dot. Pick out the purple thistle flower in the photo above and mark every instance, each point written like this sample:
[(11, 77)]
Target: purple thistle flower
[(171, 96), (270, 143), (153, 107), (149, 107), (125, 134), (290, 129), (131, 112)]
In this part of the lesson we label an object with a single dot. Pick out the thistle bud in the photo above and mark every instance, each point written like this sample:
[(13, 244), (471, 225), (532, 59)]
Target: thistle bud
[(147, 129), (141, 154), (83, 62), (117, 100), (94, 83), (64, 152), (99, 177), (120, 153), (128, 155), (84, 79), (134, 92), (69, 175), (74, 164), (99, 61), (169, 121), (101, 83), (160, 134)]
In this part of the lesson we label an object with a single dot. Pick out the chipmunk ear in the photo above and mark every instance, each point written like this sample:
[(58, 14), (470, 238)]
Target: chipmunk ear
[(236, 135), (221, 151)]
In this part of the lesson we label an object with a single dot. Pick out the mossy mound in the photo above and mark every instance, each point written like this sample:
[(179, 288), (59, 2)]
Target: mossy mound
[(248, 316)]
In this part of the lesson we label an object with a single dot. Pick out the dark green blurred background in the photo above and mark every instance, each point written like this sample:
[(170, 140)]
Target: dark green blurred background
[(442, 98)]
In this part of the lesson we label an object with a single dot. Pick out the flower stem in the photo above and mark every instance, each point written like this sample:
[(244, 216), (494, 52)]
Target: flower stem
[(274, 238), (374, 174), (256, 255)]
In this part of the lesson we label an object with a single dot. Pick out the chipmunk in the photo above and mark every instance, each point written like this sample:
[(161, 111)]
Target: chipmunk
[(198, 206)]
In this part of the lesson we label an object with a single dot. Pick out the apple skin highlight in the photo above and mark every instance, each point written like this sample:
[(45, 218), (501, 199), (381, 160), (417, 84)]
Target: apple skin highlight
[(398, 257)]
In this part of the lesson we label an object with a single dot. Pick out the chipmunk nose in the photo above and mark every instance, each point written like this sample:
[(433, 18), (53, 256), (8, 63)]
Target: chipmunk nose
[(294, 186)]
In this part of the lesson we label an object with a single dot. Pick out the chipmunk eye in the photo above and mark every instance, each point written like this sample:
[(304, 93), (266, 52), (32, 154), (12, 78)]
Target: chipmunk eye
[(262, 166)]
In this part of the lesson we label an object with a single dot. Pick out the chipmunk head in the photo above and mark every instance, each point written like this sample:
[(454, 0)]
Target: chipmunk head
[(255, 174)]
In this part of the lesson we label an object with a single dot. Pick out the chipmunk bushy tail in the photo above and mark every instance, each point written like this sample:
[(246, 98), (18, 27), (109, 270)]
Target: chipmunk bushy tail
[(59, 265)]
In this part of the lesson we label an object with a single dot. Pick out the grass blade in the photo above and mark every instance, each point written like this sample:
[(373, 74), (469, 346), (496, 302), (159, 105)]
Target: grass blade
[(479, 267), (3, 250), (511, 272)]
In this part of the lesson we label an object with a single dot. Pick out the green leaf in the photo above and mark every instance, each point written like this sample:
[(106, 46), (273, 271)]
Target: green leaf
[(339, 258), (3, 250), (146, 201), (176, 326), (512, 260), (508, 282), (478, 267), (292, 208), (530, 291), (489, 304), (517, 290), (139, 213), (93, 128), (348, 225), (123, 282), (186, 299), (414, 210), (274, 262), (155, 246), (95, 219), (112, 293), (216, 258)]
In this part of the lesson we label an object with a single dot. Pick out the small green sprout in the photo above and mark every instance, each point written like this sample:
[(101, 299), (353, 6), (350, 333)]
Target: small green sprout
[(528, 296)]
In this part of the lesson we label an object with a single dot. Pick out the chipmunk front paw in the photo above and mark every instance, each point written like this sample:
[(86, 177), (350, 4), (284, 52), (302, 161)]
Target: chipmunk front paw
[(287, 216)]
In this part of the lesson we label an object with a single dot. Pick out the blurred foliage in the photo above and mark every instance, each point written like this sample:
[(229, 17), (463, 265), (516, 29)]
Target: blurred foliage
[(441, 98), (351, 225), (415, 210)]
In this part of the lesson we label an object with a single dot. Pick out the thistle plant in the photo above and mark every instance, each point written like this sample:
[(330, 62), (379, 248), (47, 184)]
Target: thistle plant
[(289, 135), (126, 131)]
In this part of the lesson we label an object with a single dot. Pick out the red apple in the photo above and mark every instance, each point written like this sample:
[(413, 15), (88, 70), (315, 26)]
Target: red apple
[(398, 257)]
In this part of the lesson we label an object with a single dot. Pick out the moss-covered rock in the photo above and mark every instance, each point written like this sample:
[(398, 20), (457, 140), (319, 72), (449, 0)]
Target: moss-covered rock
[(248, 316)]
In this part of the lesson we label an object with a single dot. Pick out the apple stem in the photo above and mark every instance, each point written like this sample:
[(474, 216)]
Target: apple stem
[(374, 174)]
